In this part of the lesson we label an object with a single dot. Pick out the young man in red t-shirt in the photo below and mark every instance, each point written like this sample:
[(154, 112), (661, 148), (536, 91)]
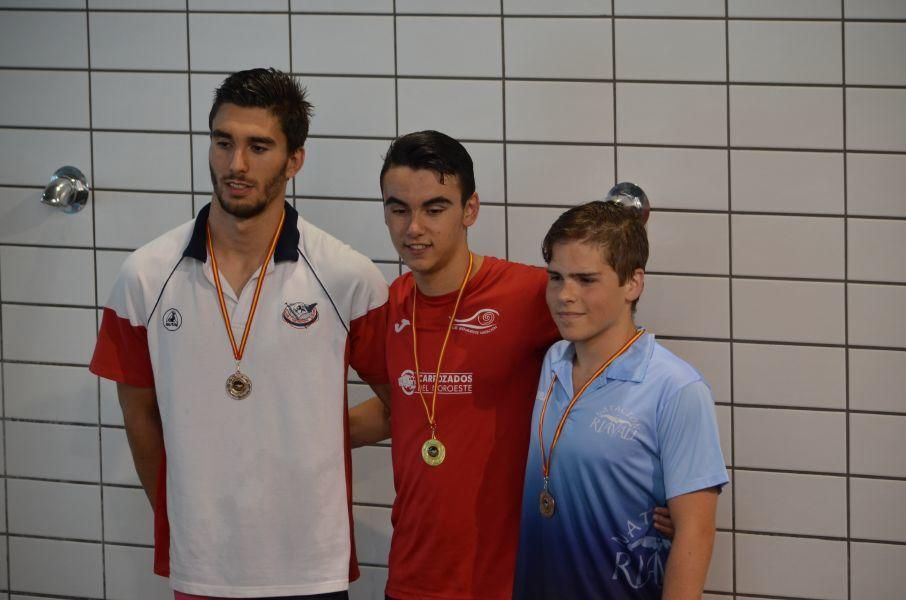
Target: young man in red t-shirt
[(466, 335)]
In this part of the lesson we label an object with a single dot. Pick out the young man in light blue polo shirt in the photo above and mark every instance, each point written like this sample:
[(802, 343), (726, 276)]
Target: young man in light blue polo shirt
[(620, 426)]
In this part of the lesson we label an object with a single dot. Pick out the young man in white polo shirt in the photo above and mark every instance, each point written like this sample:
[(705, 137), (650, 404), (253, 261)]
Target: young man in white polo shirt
[(229, 338)]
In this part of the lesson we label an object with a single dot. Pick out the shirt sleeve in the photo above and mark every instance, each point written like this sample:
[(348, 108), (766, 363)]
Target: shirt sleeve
[(689, 442), (121, 352), (368, 330)]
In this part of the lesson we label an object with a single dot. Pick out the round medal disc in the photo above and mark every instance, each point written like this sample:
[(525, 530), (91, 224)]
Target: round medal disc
[(433, 452), (239, 386), (546, 504)]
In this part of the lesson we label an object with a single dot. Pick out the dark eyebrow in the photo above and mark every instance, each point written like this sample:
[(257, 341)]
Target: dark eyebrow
[(432, 202), (264, 140), (218, 133)]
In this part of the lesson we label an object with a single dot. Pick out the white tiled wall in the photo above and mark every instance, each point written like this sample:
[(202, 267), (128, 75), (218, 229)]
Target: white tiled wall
[(770, 136)]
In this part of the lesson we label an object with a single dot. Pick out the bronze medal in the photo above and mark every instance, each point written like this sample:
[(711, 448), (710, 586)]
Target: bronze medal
[(546, 504), (433, 452), (239, 386)]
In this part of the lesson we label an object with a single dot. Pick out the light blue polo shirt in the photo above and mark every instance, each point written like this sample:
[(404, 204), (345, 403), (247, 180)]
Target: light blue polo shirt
[(643, 432)]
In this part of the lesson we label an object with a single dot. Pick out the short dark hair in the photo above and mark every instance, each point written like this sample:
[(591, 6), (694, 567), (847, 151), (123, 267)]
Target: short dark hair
[(615, 228), (271, 89), (434, 151)]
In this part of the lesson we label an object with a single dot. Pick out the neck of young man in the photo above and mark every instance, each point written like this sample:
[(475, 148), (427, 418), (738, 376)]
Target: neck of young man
[(594, 352), (241, 245), (448, 277)]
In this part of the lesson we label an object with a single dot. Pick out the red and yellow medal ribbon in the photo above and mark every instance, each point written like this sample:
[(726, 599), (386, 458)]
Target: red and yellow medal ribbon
[(547, 456), (239, 350), (430, 413)]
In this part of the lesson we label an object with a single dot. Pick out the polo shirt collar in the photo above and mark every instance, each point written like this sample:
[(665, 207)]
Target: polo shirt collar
[(631, 366), (287, 243)]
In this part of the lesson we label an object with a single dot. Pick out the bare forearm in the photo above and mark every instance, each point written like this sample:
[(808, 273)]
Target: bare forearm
[(147, 444), (687, 566), (369, 422)]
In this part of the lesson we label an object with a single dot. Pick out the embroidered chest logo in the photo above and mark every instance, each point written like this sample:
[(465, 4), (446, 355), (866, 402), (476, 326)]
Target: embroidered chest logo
[(616, 421), (398, 327), (448, 383), (300, 315), (482, 322), (171, 320)]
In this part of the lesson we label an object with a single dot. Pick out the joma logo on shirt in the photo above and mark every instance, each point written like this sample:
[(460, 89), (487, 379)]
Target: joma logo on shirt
[(616, 421)]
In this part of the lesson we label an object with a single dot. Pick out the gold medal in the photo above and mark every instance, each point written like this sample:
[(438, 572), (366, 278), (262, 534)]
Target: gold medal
[(546, 504), (433, 452), (239, 386)]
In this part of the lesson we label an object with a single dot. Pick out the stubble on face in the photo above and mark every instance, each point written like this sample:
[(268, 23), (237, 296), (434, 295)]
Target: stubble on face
[(248, 210)]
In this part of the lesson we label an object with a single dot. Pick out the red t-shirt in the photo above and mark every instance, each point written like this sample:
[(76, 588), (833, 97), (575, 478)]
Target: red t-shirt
[(456, 526)]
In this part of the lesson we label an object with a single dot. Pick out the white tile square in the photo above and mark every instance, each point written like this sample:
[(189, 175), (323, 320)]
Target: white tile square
[(238, 5), (264, 40), (877, 379), (372, 476), (42, 3), (111, 414), (558, 175), (44, 98), (472, 7), (724, 517), (532, 224), (128, 517), (66, 275), (650, 113), (786, 117), (145, 161), (52, 451), (773, 246), (874, 9), (352, 106), (470, 110), (487, 163), (108, 268), (48, 334), (488, 235), (876, 315), (556, 7), (342, 168), (51, 509), (371, 584), (876, 119), (50, 393), (434, 46), (797, 182), (535, 111), (559, 48), (361, 45), (791, 503), (140, 101), (137, 4), (793, 9), (118, 467), (358, 223), (725, 431), (783, 566), (877, 570), (876, 184), (138, 40), (689, 243), (58, 567), (789, 311), (772, 438), (673, 50), (685, 306), (712, 359), (875, 508), (21, 47), (877, 445), (874, 53), (372, 534), (132, 219), (30, 157), (202, 88), (773, 51), (375, 6), (677, 177), (24, 220), (801, 376), (201, 170), (664, 8), (720, 574), (876, 248), (129, 575)]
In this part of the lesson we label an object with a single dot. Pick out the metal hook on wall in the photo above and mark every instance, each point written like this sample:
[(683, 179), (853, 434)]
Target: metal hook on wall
[(67, 190)]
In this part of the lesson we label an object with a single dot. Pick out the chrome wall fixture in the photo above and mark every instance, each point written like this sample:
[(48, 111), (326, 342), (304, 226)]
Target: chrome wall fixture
[(67, 190), (631, 195)]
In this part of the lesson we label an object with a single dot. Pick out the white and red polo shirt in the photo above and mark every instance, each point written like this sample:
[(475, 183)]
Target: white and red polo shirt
[(258, 491)]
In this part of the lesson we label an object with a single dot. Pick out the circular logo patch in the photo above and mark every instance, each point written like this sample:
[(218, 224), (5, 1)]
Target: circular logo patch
[(172, 319)]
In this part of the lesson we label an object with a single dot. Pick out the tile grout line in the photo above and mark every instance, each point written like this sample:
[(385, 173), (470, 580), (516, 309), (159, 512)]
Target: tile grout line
[(846, 374)]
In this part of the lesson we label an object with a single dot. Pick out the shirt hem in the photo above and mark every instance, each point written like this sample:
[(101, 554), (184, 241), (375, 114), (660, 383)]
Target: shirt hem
[(226, 591), (402, 594), (704, 483)]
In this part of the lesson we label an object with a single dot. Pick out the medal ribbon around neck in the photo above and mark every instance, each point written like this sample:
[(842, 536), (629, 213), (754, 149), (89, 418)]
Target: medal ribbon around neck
[(239, 350), (433, 451), (547, 456)]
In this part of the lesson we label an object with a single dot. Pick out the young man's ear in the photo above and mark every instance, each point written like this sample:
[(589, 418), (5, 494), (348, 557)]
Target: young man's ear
[(470, 210), (635, 285), (294, 162)]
